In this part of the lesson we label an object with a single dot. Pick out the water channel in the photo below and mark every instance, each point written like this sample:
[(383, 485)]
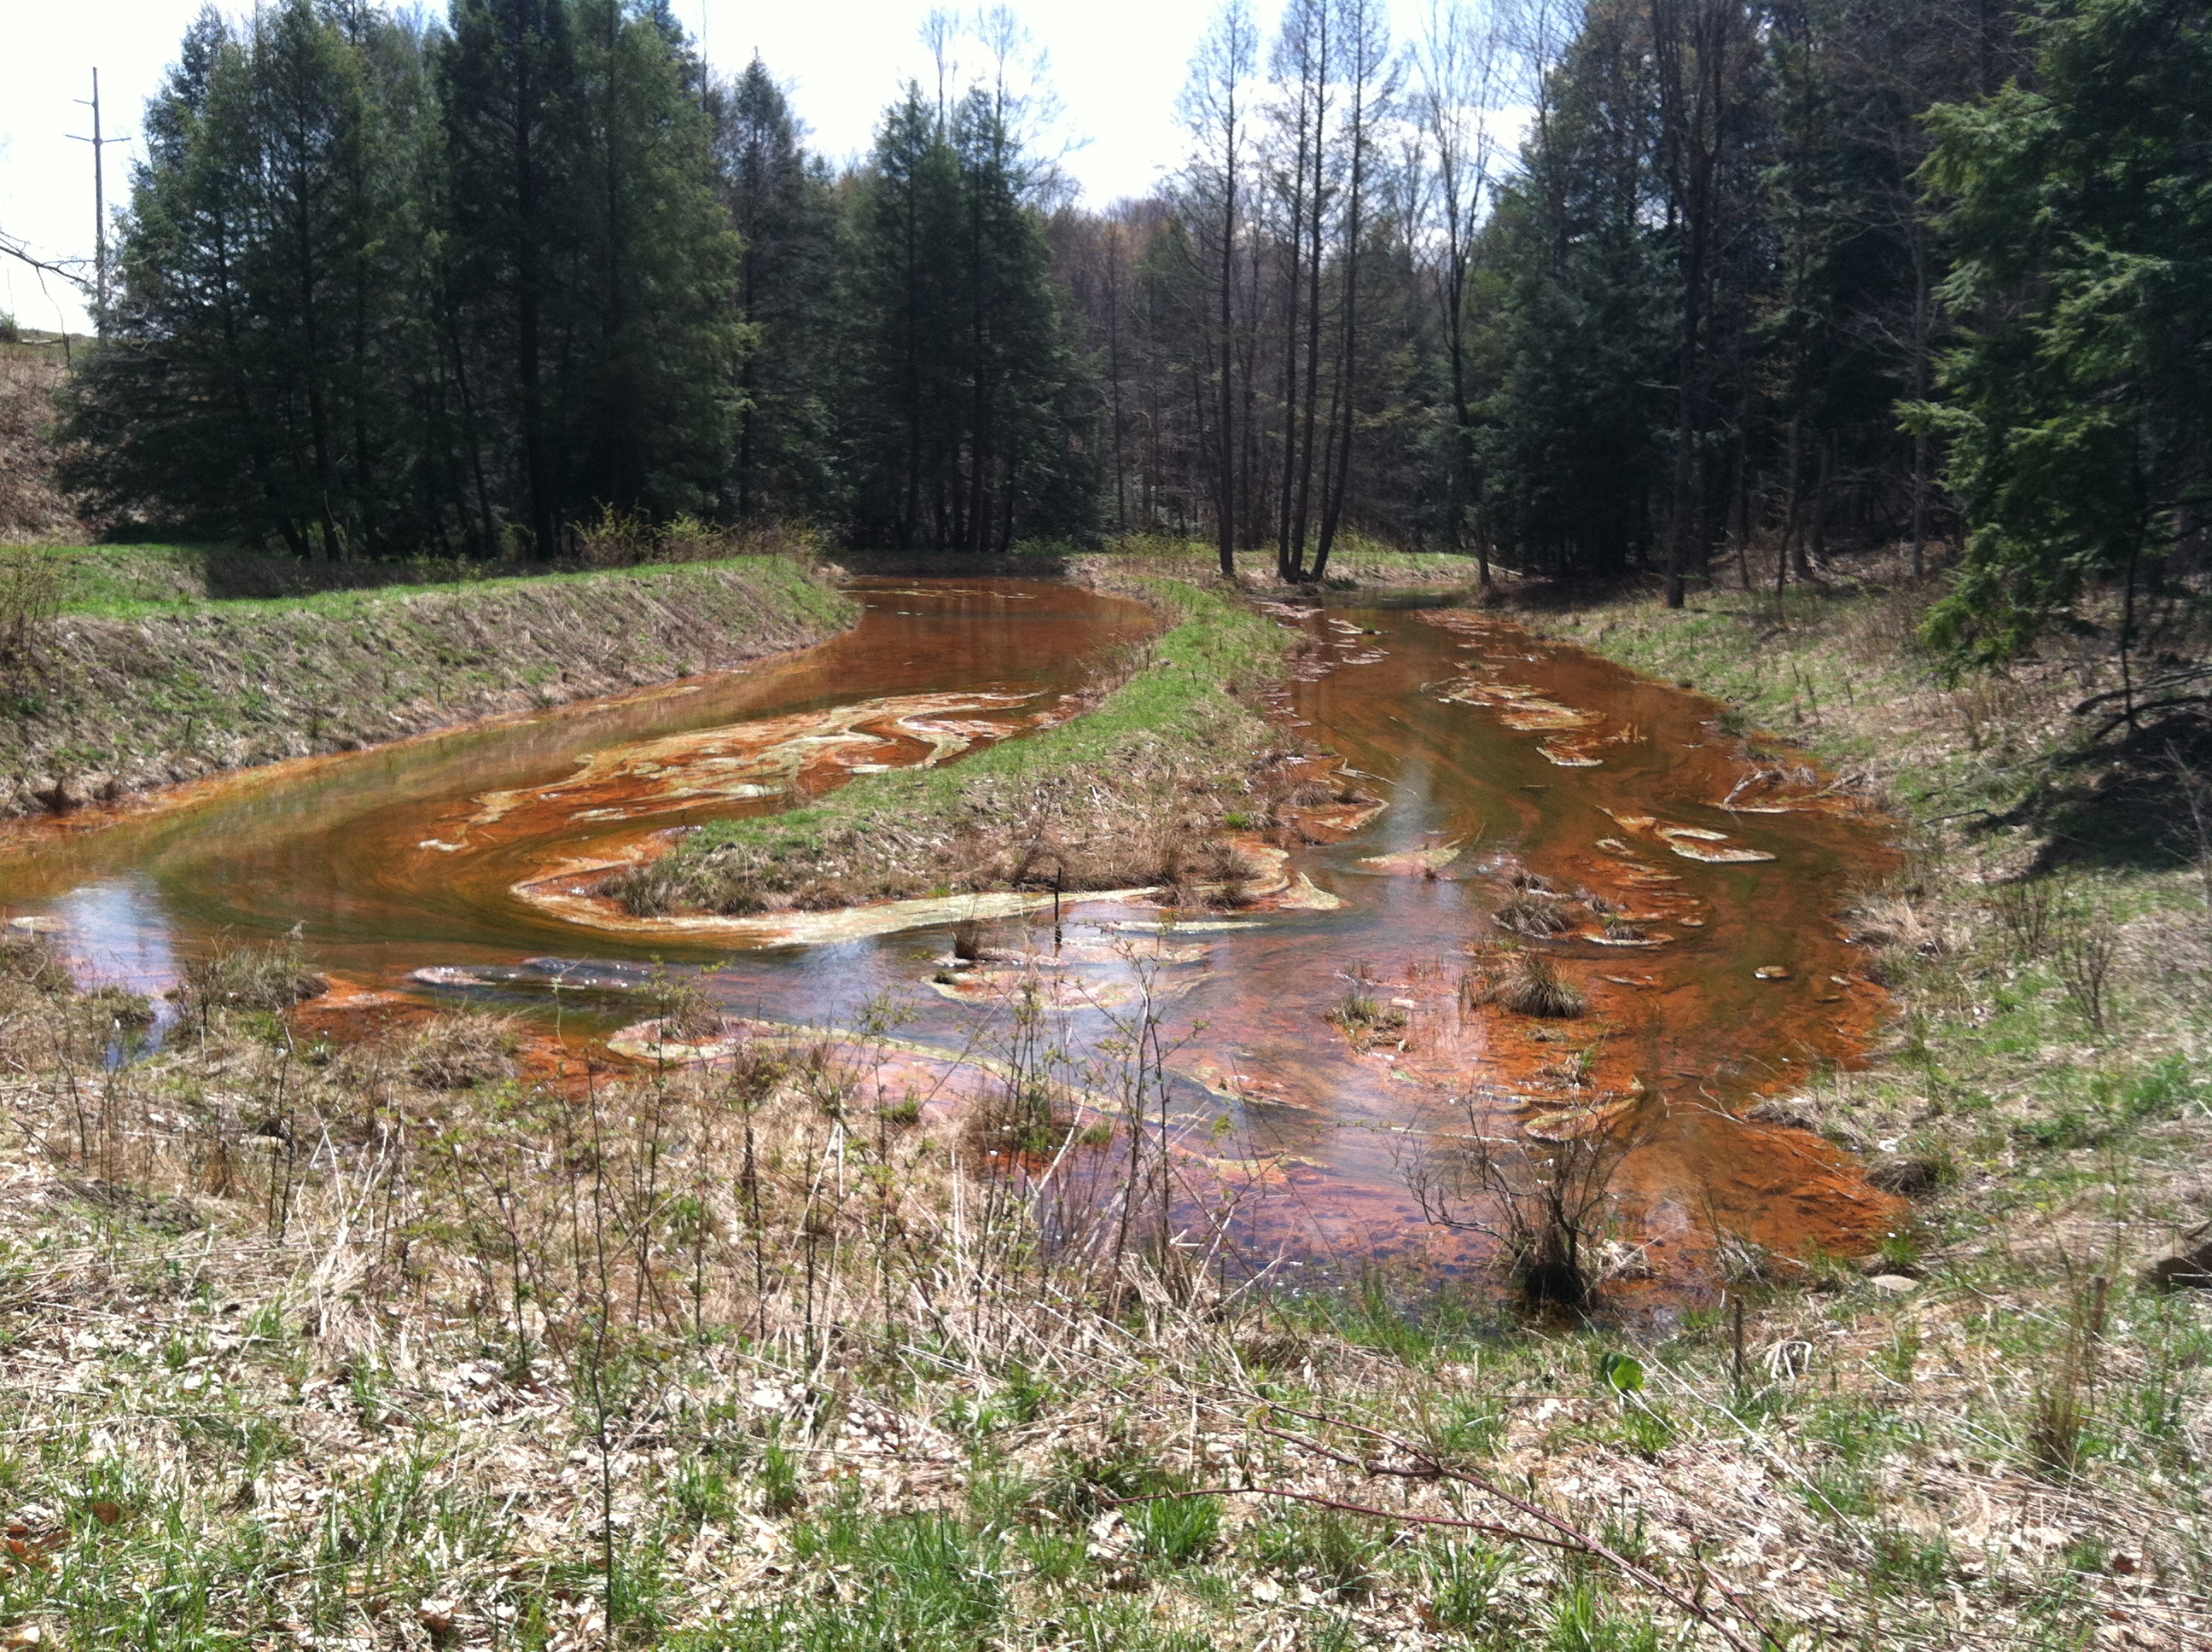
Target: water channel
[(1726, 975)]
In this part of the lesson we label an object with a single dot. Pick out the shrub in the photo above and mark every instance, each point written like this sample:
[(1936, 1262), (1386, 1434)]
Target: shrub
[(1547, 1205)]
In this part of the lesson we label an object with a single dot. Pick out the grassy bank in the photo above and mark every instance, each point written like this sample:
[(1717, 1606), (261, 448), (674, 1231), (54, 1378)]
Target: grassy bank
[(142, 679), (2046, 1095), (1357, 563), (385, 1347), (1130, 792)]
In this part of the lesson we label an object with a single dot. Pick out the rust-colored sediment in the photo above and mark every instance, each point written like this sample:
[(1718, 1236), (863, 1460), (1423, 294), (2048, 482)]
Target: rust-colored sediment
[(1476, 759)]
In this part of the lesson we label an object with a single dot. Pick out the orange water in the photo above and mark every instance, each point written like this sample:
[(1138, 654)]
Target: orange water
[(388, 862)]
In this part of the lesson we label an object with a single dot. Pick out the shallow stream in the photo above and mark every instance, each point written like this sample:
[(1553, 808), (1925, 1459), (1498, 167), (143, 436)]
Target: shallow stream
[(1725, 975)]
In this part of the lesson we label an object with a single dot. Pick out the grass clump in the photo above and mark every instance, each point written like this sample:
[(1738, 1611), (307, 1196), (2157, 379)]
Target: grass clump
[(460, 1052), (1527, 915), (30, 960), (1531, 986), (233, 977)]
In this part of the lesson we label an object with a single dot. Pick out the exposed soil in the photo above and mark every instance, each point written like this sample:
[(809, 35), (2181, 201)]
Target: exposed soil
[(31, 511)]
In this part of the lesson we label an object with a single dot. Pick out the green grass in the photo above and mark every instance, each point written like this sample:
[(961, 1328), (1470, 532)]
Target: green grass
[(136, 581)]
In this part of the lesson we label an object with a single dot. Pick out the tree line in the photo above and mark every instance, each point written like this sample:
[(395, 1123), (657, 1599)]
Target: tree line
[(1758, 279), (1753, 279), (389, 285)]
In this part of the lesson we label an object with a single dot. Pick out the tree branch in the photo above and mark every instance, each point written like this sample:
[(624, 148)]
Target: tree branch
[(1421, 1464), (14, 249), (1355, 1508)]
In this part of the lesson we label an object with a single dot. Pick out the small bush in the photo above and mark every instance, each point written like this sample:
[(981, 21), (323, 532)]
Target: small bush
[(2030, 909), (2084, 955)]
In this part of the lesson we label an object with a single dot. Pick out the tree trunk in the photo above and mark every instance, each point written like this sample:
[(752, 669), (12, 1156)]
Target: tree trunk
[(1225, 511)]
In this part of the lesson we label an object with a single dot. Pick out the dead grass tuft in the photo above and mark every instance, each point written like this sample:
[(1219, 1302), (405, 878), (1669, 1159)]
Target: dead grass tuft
[(30, 960), (460, 1052), (1527, 915), (1532, 987)]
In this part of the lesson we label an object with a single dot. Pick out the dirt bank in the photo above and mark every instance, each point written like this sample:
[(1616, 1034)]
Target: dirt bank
[(32, 510), (111, 704)]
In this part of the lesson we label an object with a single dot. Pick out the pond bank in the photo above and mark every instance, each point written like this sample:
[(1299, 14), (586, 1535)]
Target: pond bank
[(110, 704)]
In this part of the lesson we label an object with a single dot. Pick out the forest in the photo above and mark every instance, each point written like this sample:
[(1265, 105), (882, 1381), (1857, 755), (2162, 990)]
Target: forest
[(1756, 282)]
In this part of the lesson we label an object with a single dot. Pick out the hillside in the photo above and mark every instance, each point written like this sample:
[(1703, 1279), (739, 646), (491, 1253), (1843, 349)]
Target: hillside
[(31, 511), (139, 680)]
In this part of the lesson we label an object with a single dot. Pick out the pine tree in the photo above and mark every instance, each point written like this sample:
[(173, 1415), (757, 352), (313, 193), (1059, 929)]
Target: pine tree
[(970, 413), (789, 381), (259, 359), (2081, 417), (647, 408), (514, 114)]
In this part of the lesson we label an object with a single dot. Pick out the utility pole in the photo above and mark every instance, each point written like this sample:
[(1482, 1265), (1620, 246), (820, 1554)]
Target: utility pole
[(99, 206)]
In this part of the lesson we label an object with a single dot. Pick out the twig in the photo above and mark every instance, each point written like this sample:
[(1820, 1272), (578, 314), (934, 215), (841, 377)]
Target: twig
[(1354, 1509), (1423, 1465)]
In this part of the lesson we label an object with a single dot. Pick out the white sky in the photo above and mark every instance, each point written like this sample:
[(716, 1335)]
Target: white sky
[(1116, 67)]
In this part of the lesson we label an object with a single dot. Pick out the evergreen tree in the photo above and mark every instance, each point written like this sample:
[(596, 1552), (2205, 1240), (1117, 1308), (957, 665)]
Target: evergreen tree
[(649, 408), (968, 431), (260, 359), (513, 115), (789, 382), (1580, 337), (2081, 422)]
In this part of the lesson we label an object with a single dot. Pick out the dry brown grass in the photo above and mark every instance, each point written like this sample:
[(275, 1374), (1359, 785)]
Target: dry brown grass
[(671, 1333), (1530, 915), (32, 512), (460, 1052), (1532, 987)]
